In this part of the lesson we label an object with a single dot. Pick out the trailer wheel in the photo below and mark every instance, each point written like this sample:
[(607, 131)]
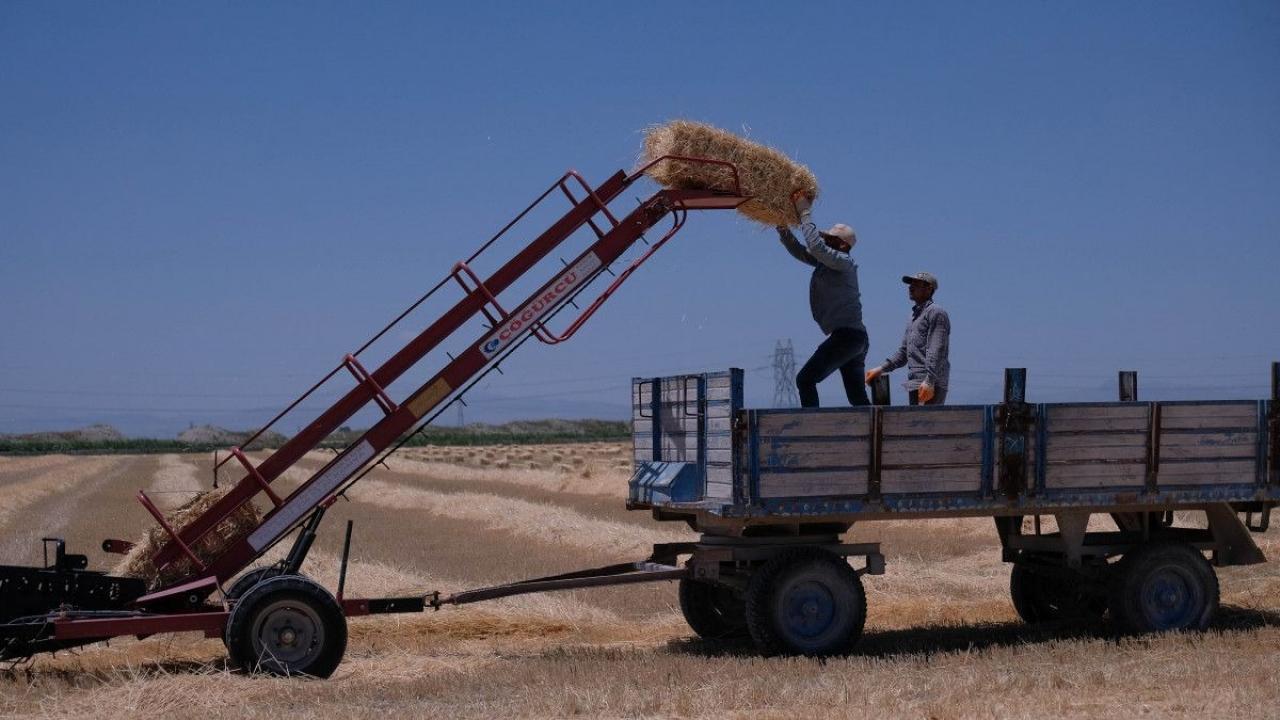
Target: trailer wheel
[(1164, 586), (714, 612), (248, 580), (806, 602), (287, 625), (1041, 597)]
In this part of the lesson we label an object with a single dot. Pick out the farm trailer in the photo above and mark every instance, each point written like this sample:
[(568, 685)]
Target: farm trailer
[(772, 490)]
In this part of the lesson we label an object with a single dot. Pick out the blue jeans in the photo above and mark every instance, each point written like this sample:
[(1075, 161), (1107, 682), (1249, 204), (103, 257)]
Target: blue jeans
[(845, 349)]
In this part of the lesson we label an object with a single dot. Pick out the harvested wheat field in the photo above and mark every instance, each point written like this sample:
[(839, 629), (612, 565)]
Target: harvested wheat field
[(942, 639)]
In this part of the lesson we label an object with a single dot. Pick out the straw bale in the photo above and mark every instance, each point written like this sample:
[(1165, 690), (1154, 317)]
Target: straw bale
[(767, 175), (138, 563)]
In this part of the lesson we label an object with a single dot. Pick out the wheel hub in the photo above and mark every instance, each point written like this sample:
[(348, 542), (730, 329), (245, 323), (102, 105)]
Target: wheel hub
[(809, 608), (1169, 598), (288, 634)]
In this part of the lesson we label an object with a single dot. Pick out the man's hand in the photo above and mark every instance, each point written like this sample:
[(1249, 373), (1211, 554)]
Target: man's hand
[(874, 373), (925, 393), (801, 200)]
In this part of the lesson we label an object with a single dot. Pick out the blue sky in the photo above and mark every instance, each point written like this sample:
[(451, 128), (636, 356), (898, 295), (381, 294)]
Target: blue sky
[(204, 206)]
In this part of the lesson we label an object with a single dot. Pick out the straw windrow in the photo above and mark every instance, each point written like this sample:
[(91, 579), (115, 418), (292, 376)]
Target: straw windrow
[(138, 563), (767, 175)]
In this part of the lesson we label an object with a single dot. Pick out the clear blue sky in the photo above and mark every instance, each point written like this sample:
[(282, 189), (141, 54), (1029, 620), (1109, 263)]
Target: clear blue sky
[(204, 206)]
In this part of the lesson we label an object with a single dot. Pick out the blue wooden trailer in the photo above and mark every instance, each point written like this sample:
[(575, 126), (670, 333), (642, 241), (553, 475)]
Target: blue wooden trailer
[(772, 490)]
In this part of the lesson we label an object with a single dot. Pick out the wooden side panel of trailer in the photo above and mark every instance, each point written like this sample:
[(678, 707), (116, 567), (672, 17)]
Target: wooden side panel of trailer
[(1024, 457), (805, 453), (1208, 444), (954, 452), (1140, 445), (932, 450), (1095, 446), (811, 453)]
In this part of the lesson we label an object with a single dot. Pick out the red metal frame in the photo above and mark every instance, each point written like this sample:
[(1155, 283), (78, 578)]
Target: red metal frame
[(461, 268), (614, 185), (356, 398), (164, 525), (210, 623), (547, 337), (180, 593), (508, 328), (361, 375), (238, 454)]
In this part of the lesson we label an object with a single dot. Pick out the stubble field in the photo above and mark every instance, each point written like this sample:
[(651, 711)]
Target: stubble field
[(942, 639)]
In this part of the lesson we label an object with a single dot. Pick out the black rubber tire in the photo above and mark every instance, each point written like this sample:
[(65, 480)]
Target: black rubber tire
[(1164, 586), (287, 625), (1045, 596), (806, 602), (248, 580), (714, 612)]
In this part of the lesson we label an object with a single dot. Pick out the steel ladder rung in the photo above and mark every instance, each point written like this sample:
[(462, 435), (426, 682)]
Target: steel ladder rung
[(363, 377)]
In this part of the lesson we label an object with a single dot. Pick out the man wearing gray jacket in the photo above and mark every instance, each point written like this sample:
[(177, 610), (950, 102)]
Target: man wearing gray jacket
[(925, 345), (835, 303)]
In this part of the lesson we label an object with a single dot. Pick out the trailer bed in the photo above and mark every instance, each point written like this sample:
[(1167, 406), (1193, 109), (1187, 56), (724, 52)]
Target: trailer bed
[(700, 456)]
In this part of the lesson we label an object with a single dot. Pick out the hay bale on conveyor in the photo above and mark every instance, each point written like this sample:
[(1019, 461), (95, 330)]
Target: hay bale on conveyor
[(138, 562), (766, 174)]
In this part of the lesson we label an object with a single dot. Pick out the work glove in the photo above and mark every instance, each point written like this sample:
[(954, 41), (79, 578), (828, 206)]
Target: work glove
[(873, 373), (801, 201), (925, 393)]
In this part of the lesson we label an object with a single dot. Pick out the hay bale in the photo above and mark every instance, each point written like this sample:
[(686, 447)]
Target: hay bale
[(765, 174), (138, 563)]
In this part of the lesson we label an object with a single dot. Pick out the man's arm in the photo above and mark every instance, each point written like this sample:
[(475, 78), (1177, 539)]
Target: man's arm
[(793, 246), (899, 358), (818, 248), (895, 361), (936, 344)]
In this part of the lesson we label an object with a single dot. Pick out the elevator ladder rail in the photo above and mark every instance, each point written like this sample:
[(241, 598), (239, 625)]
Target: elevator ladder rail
[(506, 331)]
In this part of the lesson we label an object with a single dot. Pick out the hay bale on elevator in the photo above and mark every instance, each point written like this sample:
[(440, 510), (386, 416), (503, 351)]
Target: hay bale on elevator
[(765, 174), (138, 563)]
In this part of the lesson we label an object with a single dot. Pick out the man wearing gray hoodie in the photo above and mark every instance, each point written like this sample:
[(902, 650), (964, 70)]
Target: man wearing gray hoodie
[(835, 303)]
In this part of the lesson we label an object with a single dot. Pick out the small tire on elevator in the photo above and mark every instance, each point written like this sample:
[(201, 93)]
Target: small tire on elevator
[(1163, 586), (714, 612), (806, 602), (1048, 594), (287, 625)]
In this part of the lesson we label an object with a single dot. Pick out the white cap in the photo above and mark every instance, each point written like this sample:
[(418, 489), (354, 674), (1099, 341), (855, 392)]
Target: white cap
[(843, 232)]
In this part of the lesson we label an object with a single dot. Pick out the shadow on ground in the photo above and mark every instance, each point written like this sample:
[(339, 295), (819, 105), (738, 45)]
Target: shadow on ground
[(923, 640), (930, 639), (24, 671)]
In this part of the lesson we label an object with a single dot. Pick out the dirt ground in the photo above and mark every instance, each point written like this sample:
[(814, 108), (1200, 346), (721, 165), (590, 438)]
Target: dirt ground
[(942, 639)]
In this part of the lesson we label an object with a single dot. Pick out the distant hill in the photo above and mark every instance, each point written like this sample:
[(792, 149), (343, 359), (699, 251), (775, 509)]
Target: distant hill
[(90, 434), (202, 435)]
